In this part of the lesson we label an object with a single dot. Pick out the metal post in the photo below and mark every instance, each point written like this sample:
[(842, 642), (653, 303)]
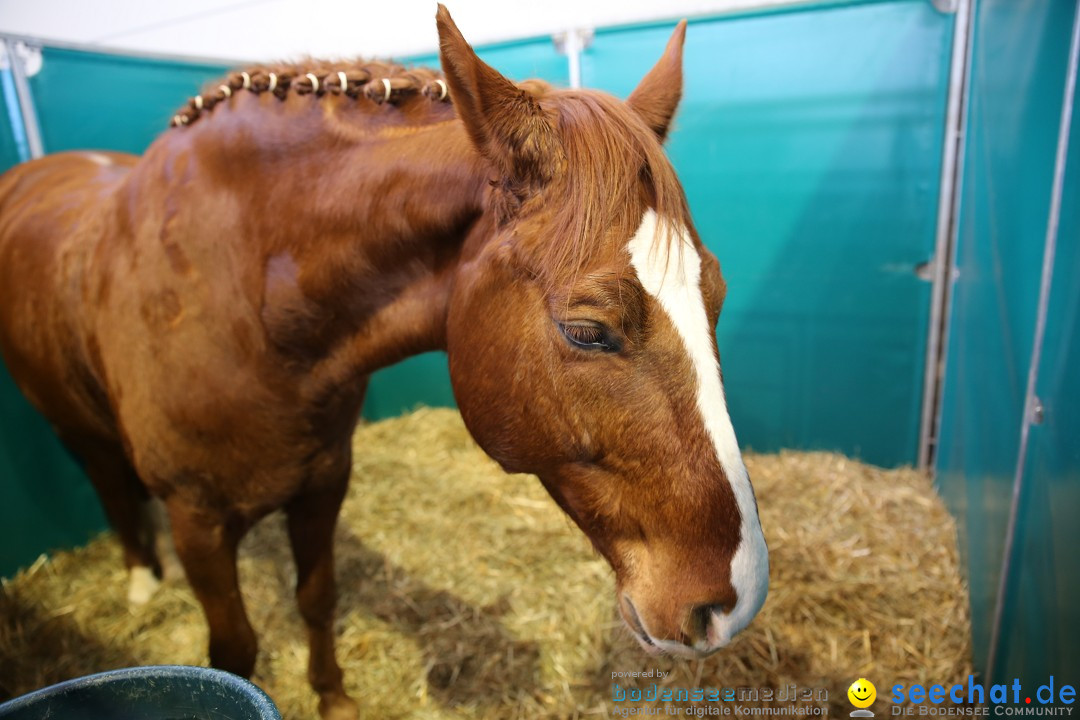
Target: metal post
[(26, 98), (572, 43), (573, 57), (1032, 406), (945, 238), (11, 104)]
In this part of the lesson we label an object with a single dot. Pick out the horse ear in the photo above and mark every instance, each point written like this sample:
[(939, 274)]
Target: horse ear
[(657, 96), (506, 124)]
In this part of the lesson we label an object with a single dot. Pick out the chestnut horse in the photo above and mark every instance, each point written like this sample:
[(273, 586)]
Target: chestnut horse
[(199, 325)]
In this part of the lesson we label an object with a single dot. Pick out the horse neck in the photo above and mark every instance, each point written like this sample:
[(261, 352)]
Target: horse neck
[(360, 223)]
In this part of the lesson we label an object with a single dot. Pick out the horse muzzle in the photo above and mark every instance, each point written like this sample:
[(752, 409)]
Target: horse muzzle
[(704, 630)]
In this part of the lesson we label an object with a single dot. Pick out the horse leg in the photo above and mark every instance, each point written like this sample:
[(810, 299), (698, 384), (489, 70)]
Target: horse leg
[(311, 521), (206, 542), (127, 506)]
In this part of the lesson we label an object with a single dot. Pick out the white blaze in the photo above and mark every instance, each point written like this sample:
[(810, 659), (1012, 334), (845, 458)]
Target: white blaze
[(674, 279)]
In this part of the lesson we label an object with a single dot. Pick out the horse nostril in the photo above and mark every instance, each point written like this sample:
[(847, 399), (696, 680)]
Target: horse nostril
[(700, 619), (698, 624)]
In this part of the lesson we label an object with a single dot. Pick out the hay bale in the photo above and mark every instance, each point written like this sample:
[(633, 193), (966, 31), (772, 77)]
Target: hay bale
[(465, 592)]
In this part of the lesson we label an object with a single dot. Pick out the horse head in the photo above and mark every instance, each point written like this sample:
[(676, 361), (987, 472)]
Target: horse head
[(582, 349)]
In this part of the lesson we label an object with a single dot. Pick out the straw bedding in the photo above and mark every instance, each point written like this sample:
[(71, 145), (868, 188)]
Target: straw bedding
[(465, 593)]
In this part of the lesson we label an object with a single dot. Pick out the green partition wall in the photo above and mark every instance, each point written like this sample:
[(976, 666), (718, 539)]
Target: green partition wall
[(809, 144), (1018, 71), (520, 60), (88, 100), (1044, 581)]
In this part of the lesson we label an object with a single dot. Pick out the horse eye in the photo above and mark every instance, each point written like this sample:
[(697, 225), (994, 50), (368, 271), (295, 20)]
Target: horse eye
[(589, 337)]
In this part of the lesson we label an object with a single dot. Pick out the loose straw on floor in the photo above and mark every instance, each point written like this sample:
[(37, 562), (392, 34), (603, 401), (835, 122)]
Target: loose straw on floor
[(465, 593)]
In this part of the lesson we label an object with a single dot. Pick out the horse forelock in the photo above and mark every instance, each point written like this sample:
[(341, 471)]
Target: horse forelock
[(379, 82), (615, 166)]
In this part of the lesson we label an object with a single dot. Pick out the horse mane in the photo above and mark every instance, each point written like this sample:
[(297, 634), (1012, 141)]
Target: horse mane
[(377, 81), (609, 151)]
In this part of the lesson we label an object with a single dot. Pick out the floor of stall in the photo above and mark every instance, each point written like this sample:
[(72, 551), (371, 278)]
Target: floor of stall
[(465, 592)]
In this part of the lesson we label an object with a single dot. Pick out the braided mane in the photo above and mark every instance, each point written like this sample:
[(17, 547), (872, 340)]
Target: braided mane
[(377, 81), (606, 142)]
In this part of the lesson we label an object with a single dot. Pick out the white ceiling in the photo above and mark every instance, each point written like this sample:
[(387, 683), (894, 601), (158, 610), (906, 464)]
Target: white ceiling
[(285, 29)]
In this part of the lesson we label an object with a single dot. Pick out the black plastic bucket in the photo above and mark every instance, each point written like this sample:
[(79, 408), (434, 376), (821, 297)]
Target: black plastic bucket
[(160, 692)]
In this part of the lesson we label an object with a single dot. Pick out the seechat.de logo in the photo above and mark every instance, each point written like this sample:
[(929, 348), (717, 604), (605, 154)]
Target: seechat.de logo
[(862, 694), (1003, 699)]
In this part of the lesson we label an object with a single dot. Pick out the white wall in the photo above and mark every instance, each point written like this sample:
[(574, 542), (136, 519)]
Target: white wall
[(285, 29)]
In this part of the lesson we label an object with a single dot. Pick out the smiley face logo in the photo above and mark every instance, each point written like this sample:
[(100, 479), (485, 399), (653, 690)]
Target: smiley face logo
[(862, 693)]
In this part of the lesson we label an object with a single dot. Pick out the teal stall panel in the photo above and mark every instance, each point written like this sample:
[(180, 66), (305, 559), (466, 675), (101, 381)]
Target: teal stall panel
[(45, 500), (425, 379), (1041, 613), (518, 60), (1020, 48), (809, 143), (90, 101), (420, 380)]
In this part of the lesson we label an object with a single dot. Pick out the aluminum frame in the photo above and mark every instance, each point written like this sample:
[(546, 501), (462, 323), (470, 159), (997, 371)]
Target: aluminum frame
[(943, 264), (31, 128)]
